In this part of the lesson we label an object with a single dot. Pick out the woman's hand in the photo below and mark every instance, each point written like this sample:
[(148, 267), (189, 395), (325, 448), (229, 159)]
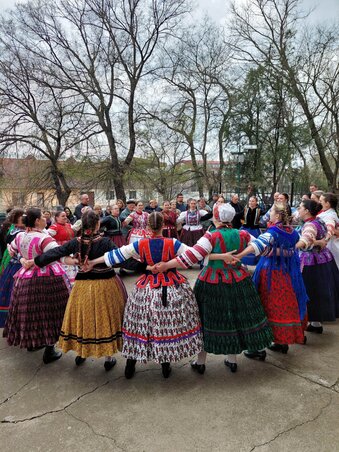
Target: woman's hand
[(71, 260), (27, 264), (161, 267), (87, 266), (321, 243), (152, 268)]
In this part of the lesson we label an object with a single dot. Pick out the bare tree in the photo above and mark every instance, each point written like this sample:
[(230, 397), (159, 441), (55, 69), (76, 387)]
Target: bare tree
[(270, 32), (35, 116), (101, 50), (196, 99)]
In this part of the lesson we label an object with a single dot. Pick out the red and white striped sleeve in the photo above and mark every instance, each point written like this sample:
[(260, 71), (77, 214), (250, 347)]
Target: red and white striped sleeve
[(196, 253)]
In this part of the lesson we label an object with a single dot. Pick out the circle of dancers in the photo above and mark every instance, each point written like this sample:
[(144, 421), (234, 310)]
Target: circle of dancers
[(61, 291)]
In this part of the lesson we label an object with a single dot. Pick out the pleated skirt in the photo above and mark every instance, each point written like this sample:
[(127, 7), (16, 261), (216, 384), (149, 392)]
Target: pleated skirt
[(232, 317), (154, 332), (92, 325), (36, 311)]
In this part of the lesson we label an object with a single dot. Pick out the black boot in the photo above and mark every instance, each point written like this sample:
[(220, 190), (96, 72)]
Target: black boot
[(50, 354), (256, 354), (314, 329), (130, 368), (232, 366), (108, 365), (166, 369), (200, 368), (283, 348), (79, 360)]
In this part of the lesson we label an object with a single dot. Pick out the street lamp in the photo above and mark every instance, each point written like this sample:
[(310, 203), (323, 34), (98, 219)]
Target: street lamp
[(240, 158)]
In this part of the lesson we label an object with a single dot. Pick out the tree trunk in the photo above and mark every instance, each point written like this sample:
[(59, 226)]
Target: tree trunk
[(62, 190)]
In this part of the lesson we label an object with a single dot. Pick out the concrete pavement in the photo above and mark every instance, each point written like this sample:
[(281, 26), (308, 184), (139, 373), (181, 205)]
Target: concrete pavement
[(288, 402)]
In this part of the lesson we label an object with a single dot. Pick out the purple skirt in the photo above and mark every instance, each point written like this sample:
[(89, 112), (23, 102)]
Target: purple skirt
[(36, 311), (6, 287), (190, 238)]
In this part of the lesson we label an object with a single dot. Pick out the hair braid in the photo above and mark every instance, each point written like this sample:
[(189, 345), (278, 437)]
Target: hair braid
[(282, 211), (156, 221)]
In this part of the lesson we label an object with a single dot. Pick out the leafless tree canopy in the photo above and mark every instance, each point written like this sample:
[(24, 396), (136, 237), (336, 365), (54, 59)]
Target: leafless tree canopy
[(134, 83)]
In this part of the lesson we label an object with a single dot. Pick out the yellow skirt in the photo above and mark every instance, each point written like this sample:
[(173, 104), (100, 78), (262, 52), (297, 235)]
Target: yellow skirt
[(92, 324)]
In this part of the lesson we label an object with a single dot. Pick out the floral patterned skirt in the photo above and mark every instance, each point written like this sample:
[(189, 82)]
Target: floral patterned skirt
[(154, 332)]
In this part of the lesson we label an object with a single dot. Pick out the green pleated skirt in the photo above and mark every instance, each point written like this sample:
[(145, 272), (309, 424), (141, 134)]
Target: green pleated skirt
[(232, 316)]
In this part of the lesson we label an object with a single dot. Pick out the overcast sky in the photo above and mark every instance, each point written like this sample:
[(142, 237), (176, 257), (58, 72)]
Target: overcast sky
[(325, 9)]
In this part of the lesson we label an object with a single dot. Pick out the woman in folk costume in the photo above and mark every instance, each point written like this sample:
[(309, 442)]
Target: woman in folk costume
[(161, 319), (329, 216), (279, 281), (92, 325), (192, 228), (6, 279), (251, 216), (62, 232), (232, 316), (139, 220), (319, 270), (39, 296), (170, 221), (112, 226)]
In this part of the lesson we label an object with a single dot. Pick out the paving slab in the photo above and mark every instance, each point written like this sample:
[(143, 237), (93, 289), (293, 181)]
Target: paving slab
[(289, 402)]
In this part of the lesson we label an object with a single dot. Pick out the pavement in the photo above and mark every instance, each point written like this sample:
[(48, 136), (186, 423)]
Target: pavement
[(289, 402)]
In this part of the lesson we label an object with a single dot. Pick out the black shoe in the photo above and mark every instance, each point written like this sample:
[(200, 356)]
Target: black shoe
[(50, 354), (200, 368), (232, 366), (35, 349), (79, 360), (166, 369), (283, 348), (314, 329), (108, 365), (257, 354), (130, 368)]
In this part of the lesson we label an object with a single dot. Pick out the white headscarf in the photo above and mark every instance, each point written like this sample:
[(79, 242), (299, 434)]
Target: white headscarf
[(224, 213)]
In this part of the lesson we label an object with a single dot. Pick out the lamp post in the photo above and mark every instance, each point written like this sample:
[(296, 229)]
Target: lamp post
[(240, 158)]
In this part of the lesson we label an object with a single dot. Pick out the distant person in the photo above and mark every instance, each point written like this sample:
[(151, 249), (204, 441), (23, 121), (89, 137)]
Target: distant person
[(283, 198), (130, 207), (48, 217), (236, 222), (215, 198), (152, 207), (180, 203), (84, 202), (313, 187), (70, 217)]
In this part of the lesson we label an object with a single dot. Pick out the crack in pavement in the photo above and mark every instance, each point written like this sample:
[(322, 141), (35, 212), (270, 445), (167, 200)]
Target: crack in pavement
[(281, 367), (295, 426), (94, 432), (335, 384), (22, 387), (18, 421)]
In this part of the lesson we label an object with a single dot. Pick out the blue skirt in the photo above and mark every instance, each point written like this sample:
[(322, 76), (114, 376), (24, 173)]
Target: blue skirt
[(6, 286), (251, 259)]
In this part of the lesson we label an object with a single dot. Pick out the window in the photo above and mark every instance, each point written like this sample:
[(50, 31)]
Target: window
[(110, 195), (132, 194), (18, 199), (40, 199)]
